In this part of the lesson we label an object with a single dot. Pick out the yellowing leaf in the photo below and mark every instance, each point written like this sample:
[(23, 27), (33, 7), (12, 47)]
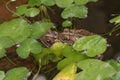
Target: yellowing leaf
[(67, 73)]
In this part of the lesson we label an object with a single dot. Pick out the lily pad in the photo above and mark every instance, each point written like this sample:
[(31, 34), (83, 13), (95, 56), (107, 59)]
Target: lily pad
[(83, 2), (91, 45)]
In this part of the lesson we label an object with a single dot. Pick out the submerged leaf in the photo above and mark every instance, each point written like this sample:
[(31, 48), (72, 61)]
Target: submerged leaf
[(92, 45), (34, 2), (2, 52), (115, 20), (19, 73)]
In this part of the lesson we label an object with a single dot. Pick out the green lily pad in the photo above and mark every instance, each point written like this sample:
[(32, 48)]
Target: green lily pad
[(94, 69), (34, 2), (19, 73), (48, 2), (91, 45), (74, 11)]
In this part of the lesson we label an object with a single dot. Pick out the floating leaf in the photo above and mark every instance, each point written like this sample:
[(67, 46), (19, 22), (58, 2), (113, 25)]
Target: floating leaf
[(2, 75), (19, 73), (92, 45), (40, 28), (17, 29), (67, 73), (20, 10), (74, 11), (32, 12), (114, 64), (27, 46), (101, 70), (83, 2), (67, 23), (63, 3)]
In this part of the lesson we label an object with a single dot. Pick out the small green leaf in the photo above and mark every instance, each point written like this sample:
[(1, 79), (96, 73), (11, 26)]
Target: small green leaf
[(91, 45), (67, 73), (115, 64), (63, 3), (20, 10), (2, 75), (32, 12), (19, 73), (40, 28), (2, 52), (115, 20), (83, 2), (34, 2), (67, 23), (101, 70), (17, 29), (74, 11), (27, 46)]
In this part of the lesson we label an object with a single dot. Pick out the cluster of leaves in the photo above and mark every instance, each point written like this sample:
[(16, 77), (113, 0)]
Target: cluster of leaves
[(71, 8), (80, 55)]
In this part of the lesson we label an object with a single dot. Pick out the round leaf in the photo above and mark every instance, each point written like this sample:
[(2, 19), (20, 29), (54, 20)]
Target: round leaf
[(32, 12), (17, 29), (63, 3), (19, 73), (74, 11), (101, 70), (67, 23), (91, 45), (27, 46), (40, 28)]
